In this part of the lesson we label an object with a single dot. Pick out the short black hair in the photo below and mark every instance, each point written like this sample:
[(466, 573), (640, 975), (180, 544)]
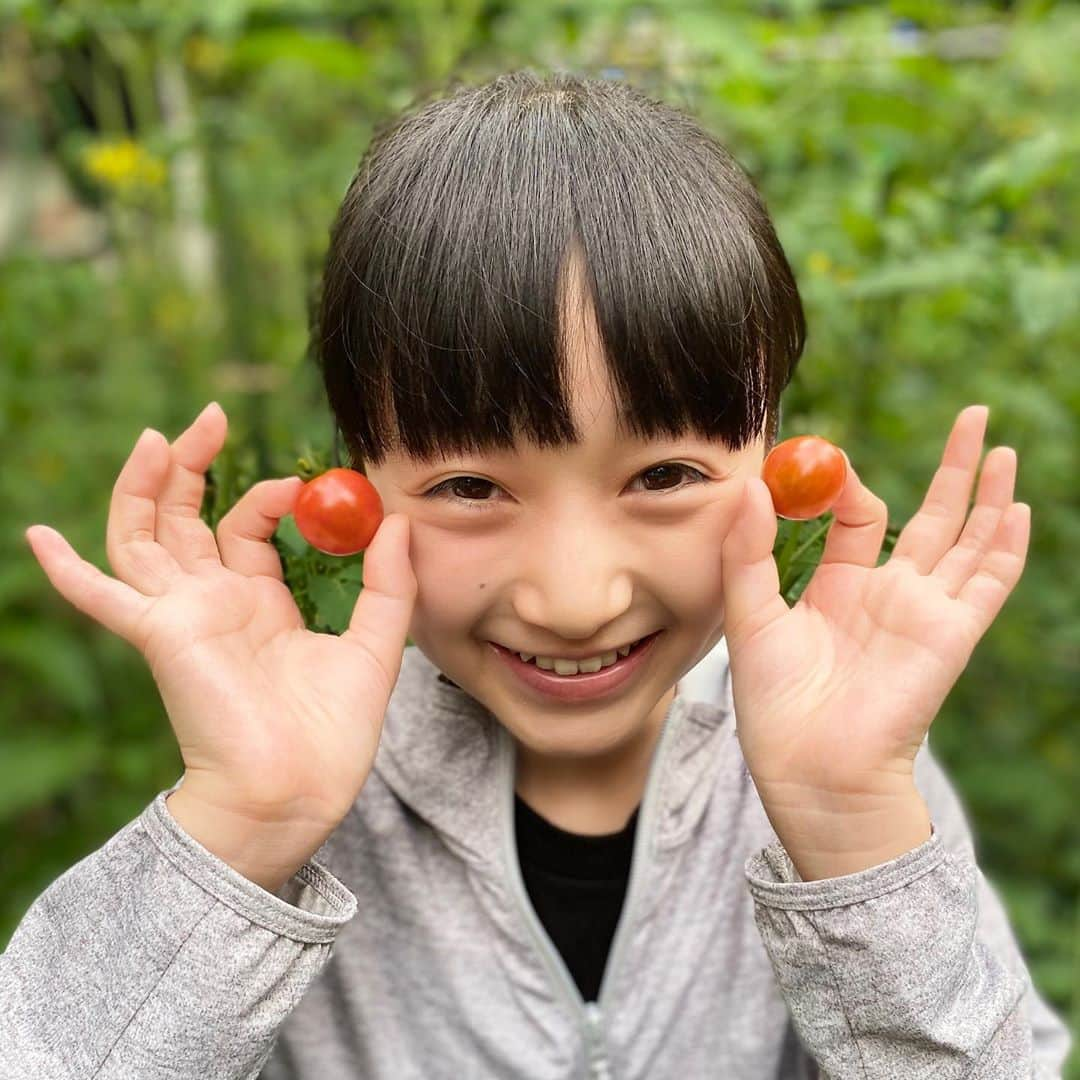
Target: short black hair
[(437, 326)]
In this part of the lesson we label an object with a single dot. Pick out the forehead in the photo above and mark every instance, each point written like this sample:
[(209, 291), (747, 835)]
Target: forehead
[(591, 393), (582, 382)]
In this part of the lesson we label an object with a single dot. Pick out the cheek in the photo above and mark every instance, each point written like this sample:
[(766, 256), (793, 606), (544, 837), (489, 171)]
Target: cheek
[(453, 575), (684, 557)]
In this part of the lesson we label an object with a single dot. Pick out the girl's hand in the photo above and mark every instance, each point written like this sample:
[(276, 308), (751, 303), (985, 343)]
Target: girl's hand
[(275, 724), (834, 696)]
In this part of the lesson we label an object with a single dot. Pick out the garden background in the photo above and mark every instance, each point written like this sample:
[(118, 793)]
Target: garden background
[(168, 176)]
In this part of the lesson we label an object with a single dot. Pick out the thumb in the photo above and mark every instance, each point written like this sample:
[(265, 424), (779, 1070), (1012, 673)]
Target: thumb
[(383, 611), (750, 582)]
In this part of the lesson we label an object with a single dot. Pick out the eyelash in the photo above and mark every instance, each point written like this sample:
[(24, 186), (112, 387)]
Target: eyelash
[(443, 488)]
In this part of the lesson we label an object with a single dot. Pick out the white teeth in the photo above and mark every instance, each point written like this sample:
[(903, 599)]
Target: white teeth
[(590, 664)]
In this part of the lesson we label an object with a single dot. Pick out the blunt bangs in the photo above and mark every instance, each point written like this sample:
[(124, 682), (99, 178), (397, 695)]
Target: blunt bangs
[(475, 222)]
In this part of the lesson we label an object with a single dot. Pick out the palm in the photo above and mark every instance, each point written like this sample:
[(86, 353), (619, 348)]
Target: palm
[(296, 711), (840, 690), (271, 719), (867, 655)]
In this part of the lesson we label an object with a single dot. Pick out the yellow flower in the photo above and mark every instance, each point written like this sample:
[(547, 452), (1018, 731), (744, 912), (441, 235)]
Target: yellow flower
[(205, 55), (818, 262), (123, 164)]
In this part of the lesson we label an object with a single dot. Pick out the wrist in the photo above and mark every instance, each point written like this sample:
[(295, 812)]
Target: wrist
[(835, 836), (268, 854)]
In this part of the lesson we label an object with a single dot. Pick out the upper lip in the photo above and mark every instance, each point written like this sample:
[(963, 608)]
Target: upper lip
[(575, 654)]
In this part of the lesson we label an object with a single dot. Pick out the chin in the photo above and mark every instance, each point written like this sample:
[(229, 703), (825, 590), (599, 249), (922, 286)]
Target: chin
[(582, 729), (585, 738)]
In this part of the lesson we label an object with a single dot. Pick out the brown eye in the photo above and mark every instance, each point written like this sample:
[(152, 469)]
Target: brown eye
[(471, 487), (668, 477)]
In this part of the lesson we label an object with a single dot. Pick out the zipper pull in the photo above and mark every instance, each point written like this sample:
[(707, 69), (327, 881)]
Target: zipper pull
[(599, 1067)]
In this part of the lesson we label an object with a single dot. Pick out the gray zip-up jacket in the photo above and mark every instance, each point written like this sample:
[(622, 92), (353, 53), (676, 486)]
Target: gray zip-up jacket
[(407, 949)]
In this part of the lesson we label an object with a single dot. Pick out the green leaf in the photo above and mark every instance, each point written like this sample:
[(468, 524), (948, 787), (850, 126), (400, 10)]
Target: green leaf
[(335, 597), (290, 537), (1045, 297), (883, 108), (326, 55), (1014, 174), (927, 273)]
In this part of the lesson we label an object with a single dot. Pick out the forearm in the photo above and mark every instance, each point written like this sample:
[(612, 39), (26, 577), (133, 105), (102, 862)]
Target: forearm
[(882, 971), (152, 958)]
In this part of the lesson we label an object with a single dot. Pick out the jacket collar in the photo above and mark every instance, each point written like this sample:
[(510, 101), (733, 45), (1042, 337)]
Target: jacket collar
[(447, 758)]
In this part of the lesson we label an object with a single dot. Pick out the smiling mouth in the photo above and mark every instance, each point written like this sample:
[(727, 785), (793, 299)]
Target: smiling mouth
[(586, 665)]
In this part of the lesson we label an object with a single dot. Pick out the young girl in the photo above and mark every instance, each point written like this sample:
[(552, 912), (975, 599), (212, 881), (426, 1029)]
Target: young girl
[(554, 329)]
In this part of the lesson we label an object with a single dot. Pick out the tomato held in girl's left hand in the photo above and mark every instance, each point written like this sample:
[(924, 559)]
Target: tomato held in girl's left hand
[(338, 512), (805, 476), (835, 695)]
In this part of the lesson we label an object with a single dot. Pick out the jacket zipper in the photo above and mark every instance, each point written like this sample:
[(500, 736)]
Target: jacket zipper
[(590, 1014)]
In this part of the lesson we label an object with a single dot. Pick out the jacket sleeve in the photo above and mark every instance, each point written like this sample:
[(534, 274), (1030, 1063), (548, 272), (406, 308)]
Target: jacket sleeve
[(908, 969), (153, 958)]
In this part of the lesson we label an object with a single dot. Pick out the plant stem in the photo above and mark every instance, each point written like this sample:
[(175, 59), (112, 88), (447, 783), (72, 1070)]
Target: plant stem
[(790, 561), (813, 538), (789, 545)]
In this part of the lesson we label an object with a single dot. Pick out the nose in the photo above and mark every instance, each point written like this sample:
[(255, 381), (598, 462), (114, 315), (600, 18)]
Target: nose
[(575, 580)]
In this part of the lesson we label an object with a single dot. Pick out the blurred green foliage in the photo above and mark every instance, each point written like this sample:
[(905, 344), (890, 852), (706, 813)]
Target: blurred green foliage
[(919, 158)]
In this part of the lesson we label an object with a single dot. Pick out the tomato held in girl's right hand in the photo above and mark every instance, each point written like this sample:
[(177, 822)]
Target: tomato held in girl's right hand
[(278, 726), (338, 512), (805, 476)]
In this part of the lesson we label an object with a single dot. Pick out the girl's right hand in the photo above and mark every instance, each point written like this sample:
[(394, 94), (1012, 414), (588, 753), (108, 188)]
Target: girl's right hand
[(276, 724)]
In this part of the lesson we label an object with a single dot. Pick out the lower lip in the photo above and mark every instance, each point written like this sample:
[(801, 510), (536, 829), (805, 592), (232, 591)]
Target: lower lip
[(578, 687)]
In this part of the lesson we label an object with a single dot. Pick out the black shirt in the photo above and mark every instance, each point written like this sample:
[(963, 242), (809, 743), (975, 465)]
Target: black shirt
[(576, 884)]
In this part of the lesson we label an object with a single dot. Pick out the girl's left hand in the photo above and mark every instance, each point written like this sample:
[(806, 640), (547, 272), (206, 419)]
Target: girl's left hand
[(834, 696)]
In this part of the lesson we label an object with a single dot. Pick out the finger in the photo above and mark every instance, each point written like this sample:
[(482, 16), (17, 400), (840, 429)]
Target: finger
[(860, 519), (180, 529), (243, 534), (750, 582), (130, 535), (118, 607), (936, 525), (996, 486), (383, 611), (988, 588)]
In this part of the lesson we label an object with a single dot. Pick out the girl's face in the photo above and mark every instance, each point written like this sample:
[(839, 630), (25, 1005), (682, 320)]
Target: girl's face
[(569, 554)]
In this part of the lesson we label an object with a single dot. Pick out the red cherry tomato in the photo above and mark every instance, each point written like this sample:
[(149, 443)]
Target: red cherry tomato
[(805, 475), (338, 512)]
